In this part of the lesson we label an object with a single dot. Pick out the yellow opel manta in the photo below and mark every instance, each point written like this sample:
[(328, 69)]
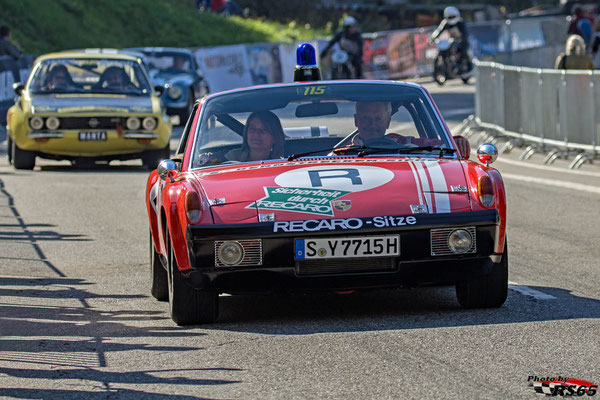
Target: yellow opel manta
[(87, 106)]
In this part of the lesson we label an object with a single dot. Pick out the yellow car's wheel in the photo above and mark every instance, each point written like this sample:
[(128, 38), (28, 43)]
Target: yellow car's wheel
[(22, 159)]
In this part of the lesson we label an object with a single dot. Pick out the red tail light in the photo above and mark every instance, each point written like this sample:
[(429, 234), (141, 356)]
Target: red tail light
[(485, 189), (193, 207)]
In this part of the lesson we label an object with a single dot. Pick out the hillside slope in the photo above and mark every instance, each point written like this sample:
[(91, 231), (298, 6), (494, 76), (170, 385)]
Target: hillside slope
[(50, 25)]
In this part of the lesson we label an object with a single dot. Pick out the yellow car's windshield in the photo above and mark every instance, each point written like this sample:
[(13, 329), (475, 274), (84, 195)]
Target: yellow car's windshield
[(89, 75)]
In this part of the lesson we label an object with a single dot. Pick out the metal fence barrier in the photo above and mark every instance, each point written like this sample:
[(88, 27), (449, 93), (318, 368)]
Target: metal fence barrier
[(546, 110)]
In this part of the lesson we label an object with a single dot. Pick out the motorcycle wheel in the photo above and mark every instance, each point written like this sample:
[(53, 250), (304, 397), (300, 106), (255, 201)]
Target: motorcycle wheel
[(440, 70)]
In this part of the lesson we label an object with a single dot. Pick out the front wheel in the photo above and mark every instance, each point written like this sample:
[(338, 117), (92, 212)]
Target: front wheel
[(160, 285), (9, 149), (189, 306), (22, 159), (489, 291), (440, 70)]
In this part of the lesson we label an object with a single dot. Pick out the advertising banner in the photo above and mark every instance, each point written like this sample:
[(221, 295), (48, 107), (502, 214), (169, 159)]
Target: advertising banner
[(225, 67), (264, 63)]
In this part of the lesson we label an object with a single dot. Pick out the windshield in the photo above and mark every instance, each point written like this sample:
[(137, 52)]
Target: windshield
[(169, 61), (89, 75), (308, 120)]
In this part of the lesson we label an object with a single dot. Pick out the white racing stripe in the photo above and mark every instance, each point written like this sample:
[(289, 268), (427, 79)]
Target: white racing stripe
[(552, 182), (440, 188), (425, 186), (416, 176), (527, 291)]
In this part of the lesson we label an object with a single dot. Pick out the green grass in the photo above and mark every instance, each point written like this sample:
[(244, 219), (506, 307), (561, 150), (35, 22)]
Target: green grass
[(42, 26)]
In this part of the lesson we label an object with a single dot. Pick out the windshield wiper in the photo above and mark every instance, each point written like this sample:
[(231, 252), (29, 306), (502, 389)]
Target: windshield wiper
[(442, 150), (335, 150)]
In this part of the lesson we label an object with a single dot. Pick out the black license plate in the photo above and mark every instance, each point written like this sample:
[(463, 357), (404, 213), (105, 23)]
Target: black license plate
[(92, 136)]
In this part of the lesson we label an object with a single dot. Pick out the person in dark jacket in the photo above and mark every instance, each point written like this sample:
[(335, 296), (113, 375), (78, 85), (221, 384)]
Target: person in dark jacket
[(457, 29), (6, 46), (350, 40)]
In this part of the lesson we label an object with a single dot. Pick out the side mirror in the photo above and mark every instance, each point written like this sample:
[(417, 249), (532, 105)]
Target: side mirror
[(487, 153), (160, 89), (167, 169), (18, 87)]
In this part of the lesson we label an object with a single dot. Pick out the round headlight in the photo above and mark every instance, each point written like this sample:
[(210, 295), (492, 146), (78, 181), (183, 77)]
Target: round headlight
[(231, 253), (52, 123), (460, 241), (132, 123), (149, 123), (174, 92), (36, 123)]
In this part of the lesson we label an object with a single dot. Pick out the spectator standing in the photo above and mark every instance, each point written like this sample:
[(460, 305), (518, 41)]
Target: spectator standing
[(581, 25), (6, 46), (574, 56)]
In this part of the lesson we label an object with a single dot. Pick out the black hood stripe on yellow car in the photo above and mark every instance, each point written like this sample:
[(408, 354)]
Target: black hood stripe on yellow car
[(75, 104)]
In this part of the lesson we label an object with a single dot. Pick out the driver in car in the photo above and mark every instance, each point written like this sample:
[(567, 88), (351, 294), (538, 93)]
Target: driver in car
[(373, 118)]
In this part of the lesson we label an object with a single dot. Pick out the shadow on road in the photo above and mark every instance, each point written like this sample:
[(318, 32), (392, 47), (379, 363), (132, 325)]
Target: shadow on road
[(390, 310)]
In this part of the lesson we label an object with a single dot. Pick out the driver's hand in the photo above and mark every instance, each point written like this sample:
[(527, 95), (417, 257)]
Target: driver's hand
[(464, 147)]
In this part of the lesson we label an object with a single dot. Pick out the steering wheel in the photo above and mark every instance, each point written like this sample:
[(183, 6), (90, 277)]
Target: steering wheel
[(382, 142)]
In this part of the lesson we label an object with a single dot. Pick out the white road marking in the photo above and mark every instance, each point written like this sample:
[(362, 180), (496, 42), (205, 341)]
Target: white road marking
[(552, 182), (527, 291)]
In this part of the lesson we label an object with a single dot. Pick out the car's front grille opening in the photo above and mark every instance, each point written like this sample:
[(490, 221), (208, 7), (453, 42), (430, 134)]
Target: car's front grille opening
[(345, 266)]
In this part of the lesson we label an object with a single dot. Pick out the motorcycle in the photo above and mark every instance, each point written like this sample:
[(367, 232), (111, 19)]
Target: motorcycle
[(341, 67), (449, 64)]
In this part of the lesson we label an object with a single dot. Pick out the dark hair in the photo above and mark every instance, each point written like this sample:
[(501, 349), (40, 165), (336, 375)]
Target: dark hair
[(57, 68), (273, 125), (4, 30)]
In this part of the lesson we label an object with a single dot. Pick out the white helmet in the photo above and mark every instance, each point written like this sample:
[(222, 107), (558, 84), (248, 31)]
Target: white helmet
[(349, 21), (452, 14)]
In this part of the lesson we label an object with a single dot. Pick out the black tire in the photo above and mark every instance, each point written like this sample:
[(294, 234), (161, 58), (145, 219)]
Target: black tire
[(185, 113), (151, 158), (488, 291), (22, 159), (440, 70), (160, 284), (9, 149), (465, 80), (187, 305)]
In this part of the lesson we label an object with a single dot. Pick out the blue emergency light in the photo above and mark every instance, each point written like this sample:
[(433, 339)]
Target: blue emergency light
[(306, 64)]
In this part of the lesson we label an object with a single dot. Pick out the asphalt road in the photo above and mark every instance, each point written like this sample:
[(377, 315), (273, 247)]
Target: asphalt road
[(77, 320)]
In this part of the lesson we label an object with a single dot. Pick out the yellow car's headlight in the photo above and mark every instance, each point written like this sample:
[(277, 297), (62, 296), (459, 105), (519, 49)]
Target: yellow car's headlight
[(149, 123), (36, 123), (132, 123)]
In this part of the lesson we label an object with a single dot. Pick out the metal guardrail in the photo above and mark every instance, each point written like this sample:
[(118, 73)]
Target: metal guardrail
[(551, 111)]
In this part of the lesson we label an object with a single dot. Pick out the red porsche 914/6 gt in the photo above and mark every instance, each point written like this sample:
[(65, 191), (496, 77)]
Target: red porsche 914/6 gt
[(323, 185)]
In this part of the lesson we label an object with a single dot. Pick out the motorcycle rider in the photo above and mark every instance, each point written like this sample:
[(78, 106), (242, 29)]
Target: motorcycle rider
[(350, 40), (457, 29)]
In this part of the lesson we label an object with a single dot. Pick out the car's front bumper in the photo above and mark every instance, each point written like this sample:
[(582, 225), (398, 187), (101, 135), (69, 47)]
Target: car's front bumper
[(280, 271)]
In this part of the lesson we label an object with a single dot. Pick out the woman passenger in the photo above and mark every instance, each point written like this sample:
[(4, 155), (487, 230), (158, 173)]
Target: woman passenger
[(263, 138)]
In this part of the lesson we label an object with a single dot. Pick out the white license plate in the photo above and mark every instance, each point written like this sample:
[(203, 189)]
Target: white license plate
[(348, 247), (92, 136)]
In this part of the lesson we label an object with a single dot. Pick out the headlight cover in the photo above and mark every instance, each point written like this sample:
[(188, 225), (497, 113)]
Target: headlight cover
[(174, 92), (460, 241), (149, 123), (132, 123), (52, 123), (231, 253), (36, 123)]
